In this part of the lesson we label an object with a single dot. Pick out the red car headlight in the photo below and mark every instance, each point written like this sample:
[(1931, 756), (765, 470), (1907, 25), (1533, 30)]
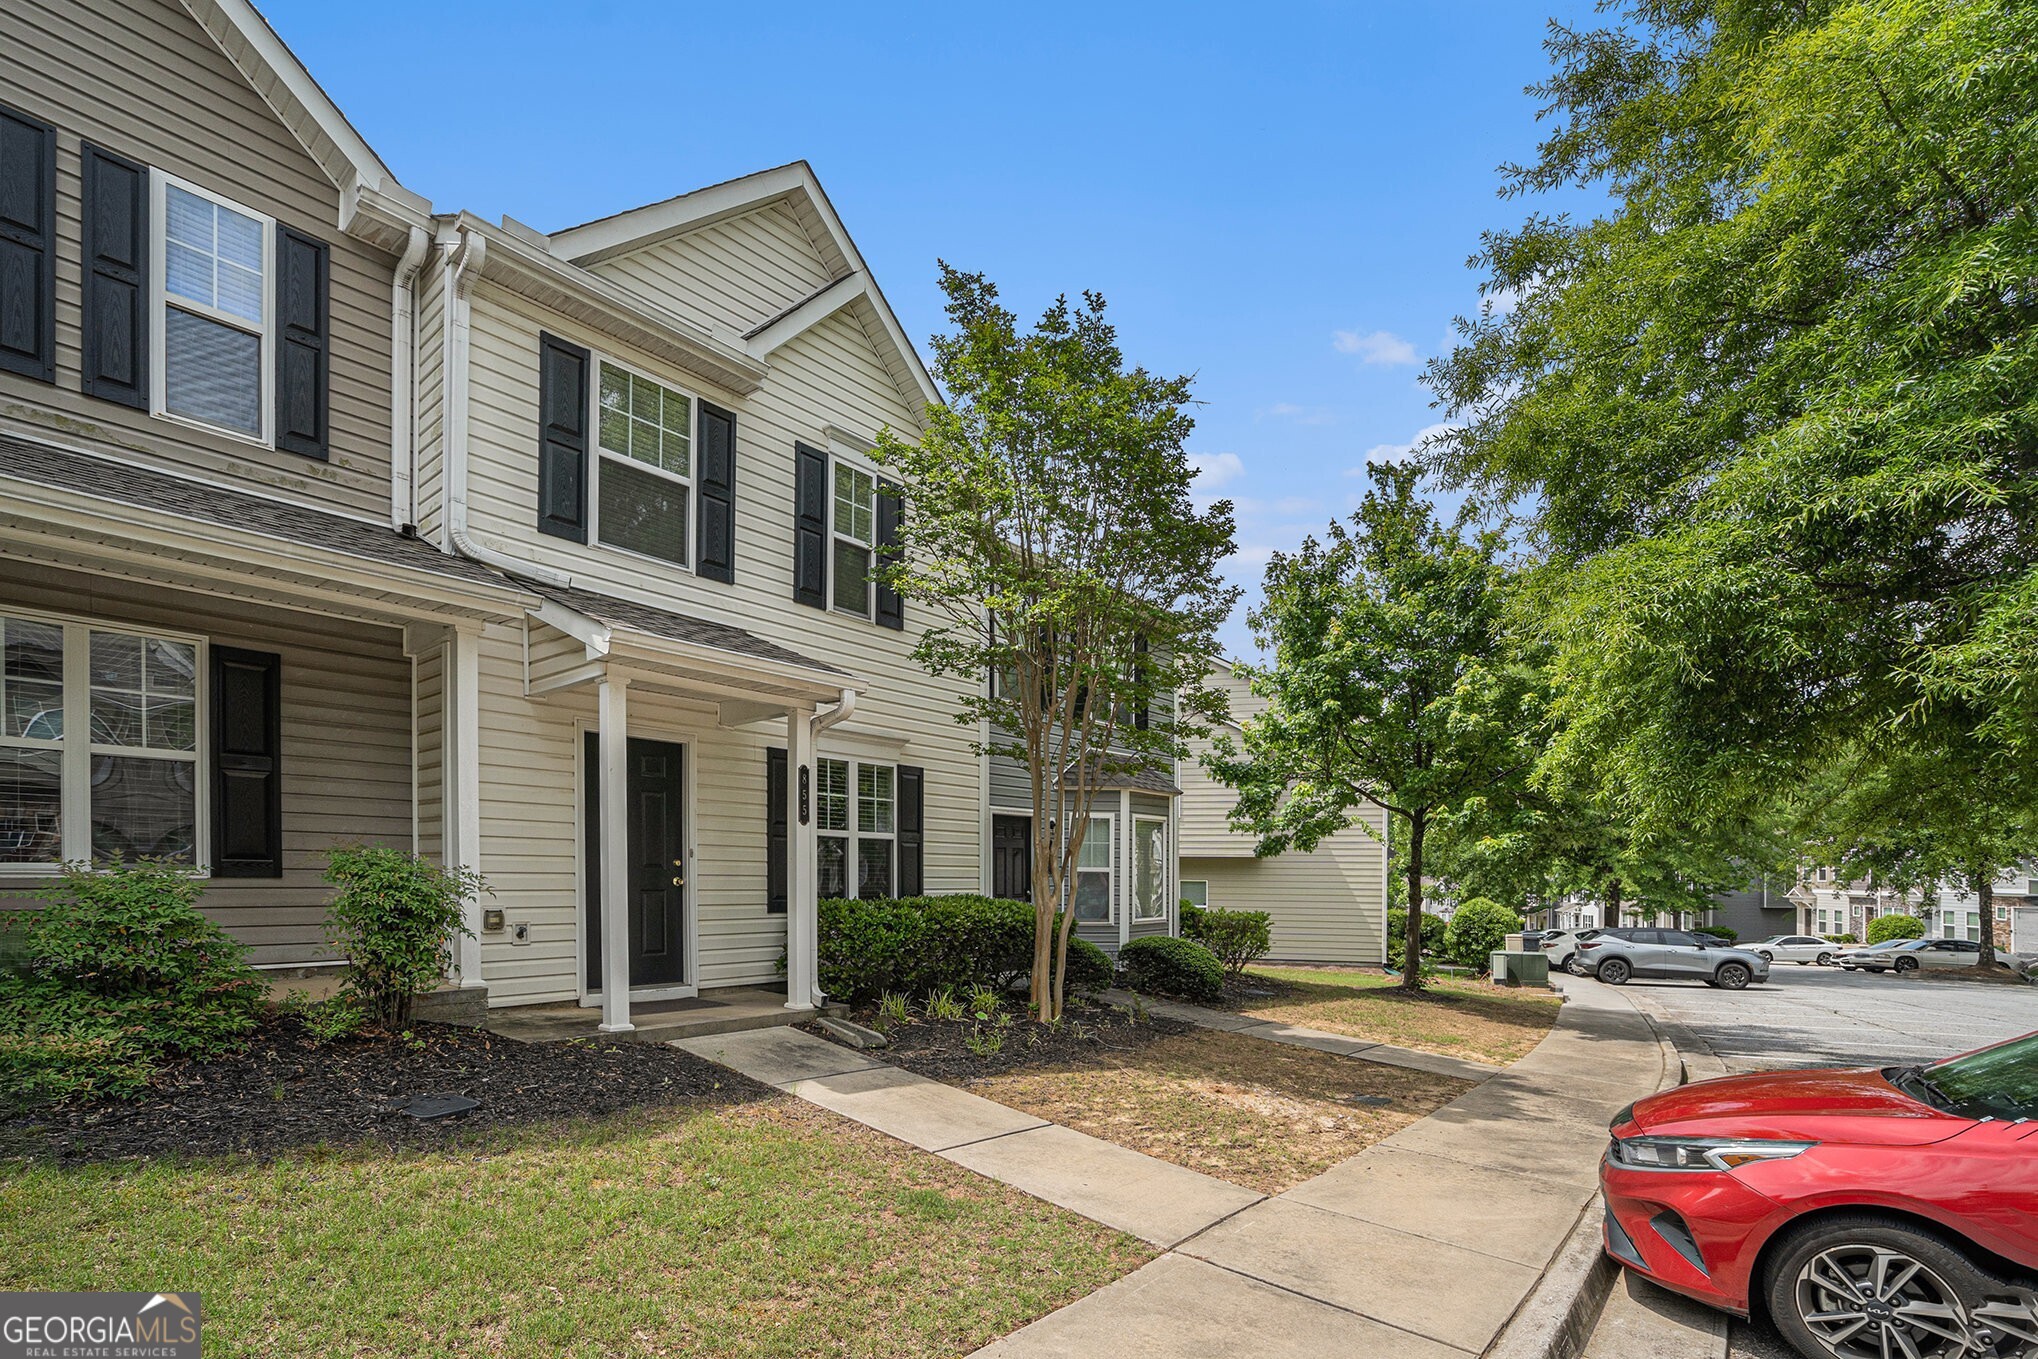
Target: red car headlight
[(1700, 1153)]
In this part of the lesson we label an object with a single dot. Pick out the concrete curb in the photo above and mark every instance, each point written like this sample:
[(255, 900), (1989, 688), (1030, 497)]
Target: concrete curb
[(1557, 1318)]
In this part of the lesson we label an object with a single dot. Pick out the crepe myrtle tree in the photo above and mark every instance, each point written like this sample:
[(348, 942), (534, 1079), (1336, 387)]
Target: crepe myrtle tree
[(1062, 567), (1391, 683)]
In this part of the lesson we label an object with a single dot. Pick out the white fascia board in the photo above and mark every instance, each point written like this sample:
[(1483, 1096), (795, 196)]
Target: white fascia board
[(781, 331), (591, 633), (622, 232), (617, 313)]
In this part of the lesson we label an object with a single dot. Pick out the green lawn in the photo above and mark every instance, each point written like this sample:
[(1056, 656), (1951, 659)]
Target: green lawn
[(763, 1229), (1462, 1018)]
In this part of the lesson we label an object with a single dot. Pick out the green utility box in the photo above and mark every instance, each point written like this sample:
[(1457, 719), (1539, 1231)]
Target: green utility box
[(1527, 967)]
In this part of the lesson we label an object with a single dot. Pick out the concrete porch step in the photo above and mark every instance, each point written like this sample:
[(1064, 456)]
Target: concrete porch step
[(724, 1010)]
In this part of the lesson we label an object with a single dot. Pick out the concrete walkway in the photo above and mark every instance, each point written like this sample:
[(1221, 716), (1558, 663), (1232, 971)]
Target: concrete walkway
[(1296, 1036), (1424, 1246)]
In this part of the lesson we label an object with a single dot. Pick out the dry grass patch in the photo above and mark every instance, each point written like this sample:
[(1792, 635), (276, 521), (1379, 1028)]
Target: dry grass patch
[(1256, 1113), (1459, 1018), (766, 1229)]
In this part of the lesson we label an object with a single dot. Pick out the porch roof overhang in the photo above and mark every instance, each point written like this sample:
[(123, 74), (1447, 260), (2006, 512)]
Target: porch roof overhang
[(66, 507), (680, 653), (1113, 775)]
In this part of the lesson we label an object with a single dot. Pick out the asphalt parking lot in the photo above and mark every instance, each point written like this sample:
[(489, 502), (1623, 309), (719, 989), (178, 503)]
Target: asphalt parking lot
[(1822, 1016)]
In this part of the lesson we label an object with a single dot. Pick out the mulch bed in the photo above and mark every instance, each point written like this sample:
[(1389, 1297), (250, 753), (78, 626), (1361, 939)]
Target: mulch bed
[(1999, 975), (939, 1049), (285, 1091)]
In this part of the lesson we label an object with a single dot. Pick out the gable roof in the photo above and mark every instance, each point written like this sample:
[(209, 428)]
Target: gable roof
[(851, 282), (276, 74)]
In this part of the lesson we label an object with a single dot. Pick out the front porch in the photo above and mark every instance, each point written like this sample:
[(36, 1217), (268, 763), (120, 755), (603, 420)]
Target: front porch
[(725, 1009)]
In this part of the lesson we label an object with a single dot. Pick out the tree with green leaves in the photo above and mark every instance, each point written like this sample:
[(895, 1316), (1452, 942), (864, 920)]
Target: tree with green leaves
[(1068, 577), (1775, 411), (1389, 683)]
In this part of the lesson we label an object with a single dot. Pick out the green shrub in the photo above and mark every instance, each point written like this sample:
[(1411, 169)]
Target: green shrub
[(1162, 966), (394, 920), (117, 971), (1238, 938), (1725, 932), (1477, 930), (1847, 938), (915, 946), (1397, 936), (1887, 927)]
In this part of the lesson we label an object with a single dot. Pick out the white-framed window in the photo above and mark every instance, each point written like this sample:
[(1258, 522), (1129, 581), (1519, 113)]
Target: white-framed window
[(1094, 895), (1196, 891), (100, 738), (853, 538), (1149, 868), (212, 322), (856, 824), (643, 466)]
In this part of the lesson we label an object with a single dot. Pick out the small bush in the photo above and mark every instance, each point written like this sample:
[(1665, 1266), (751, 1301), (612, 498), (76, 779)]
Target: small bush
[(1089, 967), (1887, 927), (118, 970), (916, 945), (1726, 932), (1477, 930), (1847, 938), (1397, 936), (1162, 966), (1238, 938), (394, 919)]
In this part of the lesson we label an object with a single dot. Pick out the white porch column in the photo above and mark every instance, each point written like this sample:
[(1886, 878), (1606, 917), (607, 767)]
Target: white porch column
[(615, 854), (802, 914), (462, 779)]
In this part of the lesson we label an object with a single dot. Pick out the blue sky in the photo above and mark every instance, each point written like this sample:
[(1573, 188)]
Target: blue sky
[(1276, 198)]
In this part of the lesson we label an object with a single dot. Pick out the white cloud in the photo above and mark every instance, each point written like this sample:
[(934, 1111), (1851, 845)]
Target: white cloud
[(1301, 415), (1381, 346), (1213, 470), (1401, 452), (1500, 301)]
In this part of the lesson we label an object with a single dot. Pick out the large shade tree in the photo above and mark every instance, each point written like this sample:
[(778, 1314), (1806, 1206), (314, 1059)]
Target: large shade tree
[(1062, 566), (1388, 684), (1775, 410)]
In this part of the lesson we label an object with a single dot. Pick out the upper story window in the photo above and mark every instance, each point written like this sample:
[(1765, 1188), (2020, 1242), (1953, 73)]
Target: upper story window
[(855, 537), (213, 325), (644, 474), (99, 747)]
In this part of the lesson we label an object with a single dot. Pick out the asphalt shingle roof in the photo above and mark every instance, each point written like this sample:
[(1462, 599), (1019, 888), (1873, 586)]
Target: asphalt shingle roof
[(678, 627)]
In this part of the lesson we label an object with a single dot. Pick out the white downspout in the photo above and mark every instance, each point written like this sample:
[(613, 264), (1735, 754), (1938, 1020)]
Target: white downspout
[(843, 710), (403, 383), (463, 258)]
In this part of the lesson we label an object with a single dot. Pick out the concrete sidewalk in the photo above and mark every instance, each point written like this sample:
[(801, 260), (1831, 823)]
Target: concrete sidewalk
[(1425, 1245)]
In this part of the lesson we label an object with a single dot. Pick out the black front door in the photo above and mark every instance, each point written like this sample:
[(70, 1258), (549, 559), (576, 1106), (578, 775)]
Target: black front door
[(1012, 857), (657, 840)]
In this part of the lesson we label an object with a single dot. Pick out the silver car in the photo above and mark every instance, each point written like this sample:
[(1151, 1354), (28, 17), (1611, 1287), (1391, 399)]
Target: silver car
[(1908, 955), (1614, 956), (1796, 948)]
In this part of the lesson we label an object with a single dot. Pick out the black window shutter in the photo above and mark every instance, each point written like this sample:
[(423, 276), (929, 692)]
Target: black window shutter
[(716, 493), (302, 362), (28, 238), (247, 763), (1144, 715), (912, 814), (810, 527), (114, 316), (778, 844), (891, 610), (562, 438)]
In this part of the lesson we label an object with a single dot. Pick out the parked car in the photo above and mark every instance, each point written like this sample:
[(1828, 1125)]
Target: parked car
[(1851, 956), (1561, 948), (1871, 1213), (1908, 955), (1795, 948), (1613, 956)]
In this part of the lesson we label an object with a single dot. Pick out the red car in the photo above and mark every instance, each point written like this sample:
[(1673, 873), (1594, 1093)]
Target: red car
[(1874, 1214)]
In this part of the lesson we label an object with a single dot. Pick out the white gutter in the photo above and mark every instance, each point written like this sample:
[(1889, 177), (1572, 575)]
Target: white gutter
[(403, 383), (463, 251), (843, 710)]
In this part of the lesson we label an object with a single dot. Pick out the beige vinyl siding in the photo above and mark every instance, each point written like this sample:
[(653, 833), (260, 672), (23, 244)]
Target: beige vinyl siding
[(429, 726), (346, 760), (142, 79), (427, 488), (732, 276), (1205, 803)]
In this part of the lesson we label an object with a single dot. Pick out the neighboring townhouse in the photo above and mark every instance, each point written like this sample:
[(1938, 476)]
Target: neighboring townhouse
[(1828, 904), (1955, 914), (328, 517), (1758, 911), (1328, 905)]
